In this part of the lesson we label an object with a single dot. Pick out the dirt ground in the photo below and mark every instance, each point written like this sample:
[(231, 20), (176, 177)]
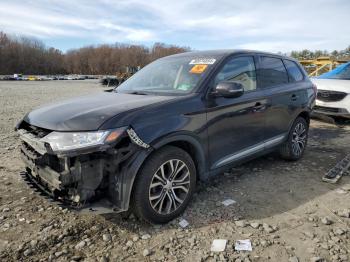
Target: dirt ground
[(284, 208)]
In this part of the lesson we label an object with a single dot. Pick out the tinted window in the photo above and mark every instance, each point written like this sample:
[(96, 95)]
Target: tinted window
[(272, 72), (294, 72), (239, 69)]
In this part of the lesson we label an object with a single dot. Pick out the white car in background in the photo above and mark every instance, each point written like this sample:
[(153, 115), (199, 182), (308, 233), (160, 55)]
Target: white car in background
[(333, 92)]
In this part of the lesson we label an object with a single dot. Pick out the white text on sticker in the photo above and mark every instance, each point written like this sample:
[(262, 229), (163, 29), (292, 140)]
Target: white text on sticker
[(203, 61)]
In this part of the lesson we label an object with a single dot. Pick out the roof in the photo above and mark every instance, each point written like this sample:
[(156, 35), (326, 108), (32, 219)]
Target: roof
[(225, 52)]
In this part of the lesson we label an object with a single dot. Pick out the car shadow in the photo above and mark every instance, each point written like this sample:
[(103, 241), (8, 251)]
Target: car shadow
[(338, 121), (264, 187)]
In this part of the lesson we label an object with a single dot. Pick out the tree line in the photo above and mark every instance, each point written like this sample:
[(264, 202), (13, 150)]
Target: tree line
[(308, 54), (30, 56)]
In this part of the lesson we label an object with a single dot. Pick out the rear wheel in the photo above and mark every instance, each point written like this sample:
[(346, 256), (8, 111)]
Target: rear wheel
[(165, 185), (294, 147)]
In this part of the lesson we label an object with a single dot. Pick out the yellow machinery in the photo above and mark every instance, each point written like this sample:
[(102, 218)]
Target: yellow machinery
[(119, 77), (32, 78), (129, 71), (320, 65)]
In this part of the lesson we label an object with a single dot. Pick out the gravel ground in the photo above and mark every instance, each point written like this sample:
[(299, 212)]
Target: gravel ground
[(284, 208)]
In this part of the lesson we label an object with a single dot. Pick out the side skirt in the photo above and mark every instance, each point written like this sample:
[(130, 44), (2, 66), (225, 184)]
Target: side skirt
[(272, 142)]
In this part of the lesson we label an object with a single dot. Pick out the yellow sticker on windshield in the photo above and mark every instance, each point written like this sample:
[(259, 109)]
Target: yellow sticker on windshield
[(198, 69)]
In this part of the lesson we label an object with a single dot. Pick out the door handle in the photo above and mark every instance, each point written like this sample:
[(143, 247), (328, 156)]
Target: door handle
[(294, 97), (259, 107)]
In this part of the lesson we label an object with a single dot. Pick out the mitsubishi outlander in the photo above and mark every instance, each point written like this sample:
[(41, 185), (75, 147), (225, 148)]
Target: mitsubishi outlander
[(183, 118)]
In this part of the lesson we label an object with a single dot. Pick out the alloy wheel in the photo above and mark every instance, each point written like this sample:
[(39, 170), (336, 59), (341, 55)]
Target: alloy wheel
[(299, 139), (169, 186)]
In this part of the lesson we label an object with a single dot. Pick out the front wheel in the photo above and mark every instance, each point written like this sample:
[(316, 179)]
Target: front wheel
[(165, 185), (293, 149)]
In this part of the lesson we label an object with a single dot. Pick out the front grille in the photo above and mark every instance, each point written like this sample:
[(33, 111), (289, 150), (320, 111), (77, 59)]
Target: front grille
[(36, 159), (330, 96), (37, 131), (327, 109)]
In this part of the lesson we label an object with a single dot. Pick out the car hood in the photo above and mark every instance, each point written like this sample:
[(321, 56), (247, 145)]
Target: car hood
[(332, 84), (89, 112)]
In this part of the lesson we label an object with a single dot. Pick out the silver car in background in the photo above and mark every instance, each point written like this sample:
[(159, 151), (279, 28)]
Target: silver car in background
[(333, 92)]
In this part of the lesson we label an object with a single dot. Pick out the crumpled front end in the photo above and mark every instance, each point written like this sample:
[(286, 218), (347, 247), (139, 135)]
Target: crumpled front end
[(96, 179)]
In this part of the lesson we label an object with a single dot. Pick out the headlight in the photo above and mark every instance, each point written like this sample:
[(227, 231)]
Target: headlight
[(65, 141)]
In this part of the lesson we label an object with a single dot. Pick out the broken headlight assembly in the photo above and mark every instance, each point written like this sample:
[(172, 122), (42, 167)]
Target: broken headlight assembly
[(61, 142)]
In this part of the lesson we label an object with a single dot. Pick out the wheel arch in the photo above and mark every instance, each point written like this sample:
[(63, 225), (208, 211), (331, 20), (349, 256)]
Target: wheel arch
[(192, 146), (305, 115), (286, 148), (186, 142)]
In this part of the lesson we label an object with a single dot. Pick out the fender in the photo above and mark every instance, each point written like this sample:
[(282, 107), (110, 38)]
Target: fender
[(304, 110), (200, 152), (130, 171), (128, 175)]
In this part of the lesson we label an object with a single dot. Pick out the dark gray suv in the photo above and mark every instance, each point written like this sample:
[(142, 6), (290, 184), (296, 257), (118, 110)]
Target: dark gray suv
[(183, 118)]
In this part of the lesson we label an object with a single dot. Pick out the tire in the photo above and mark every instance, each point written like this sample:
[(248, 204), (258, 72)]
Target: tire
[(158, 197), (294, 148)]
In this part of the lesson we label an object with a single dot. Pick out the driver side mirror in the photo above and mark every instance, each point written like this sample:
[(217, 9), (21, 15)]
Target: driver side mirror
[(229, 89)]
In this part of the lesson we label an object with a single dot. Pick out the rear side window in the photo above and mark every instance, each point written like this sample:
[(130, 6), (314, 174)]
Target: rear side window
[(239, 69), (294, 72), (272, 72)]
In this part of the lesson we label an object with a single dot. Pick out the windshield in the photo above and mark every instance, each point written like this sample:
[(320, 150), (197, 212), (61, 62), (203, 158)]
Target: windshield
[(341, 72), (169, 76)]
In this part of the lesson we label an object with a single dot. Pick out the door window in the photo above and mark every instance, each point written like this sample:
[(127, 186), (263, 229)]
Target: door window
[(272, 72), (294, 72), (239, 69)]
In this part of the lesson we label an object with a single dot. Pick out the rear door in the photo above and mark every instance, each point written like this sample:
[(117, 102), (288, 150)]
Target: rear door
[(283, 94), (236, 125)]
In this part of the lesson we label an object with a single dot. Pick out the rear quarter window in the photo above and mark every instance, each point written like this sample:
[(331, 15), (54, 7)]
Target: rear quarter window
[(272, 72), (294, 71)]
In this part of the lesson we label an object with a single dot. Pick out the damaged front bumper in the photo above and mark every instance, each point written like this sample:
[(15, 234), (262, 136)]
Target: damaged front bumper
[(98, 180)]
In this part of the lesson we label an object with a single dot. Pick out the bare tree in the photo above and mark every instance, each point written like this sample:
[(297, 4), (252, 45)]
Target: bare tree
[(109, 59), (28, 56), (31, 56)]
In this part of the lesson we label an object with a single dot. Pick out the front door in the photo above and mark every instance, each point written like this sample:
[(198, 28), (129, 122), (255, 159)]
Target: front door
[(236, 125)]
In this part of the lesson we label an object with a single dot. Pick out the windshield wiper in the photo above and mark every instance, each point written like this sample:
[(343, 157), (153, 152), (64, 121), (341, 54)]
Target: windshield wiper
[(137, 93)]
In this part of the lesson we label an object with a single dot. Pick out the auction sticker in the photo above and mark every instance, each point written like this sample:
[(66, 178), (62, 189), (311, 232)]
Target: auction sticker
[(198, 69), (203, 61)]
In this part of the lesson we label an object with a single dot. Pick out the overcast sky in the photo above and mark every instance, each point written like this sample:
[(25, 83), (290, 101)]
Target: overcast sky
[(269, 25)]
